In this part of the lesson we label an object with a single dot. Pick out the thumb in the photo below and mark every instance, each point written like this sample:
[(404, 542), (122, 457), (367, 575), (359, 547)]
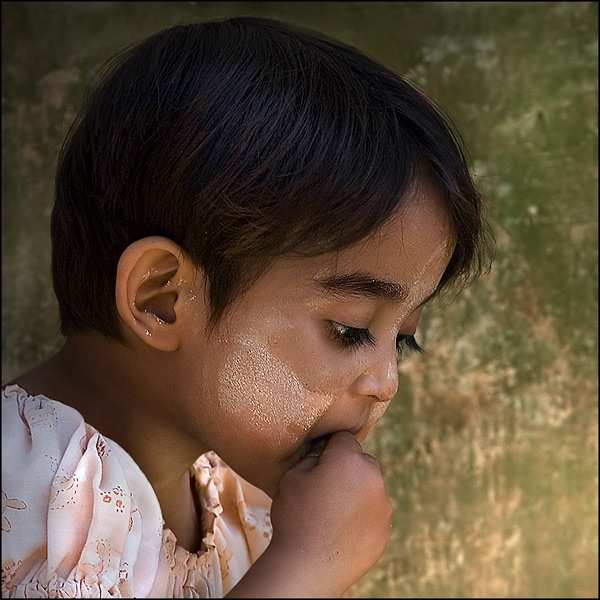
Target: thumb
[(341, 442), (328, 447), (312, 453)]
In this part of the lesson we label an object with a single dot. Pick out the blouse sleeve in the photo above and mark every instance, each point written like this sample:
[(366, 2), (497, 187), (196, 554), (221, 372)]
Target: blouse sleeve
[(79, 518)]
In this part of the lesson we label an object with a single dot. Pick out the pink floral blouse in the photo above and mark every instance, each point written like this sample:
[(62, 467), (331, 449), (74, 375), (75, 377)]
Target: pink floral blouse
[(80, 519)]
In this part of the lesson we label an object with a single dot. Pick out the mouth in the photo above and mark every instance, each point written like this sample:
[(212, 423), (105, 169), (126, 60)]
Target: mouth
[(317, 444)]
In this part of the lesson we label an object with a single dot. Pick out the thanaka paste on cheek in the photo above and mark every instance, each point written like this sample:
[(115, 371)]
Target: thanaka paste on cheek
[(255, 382)]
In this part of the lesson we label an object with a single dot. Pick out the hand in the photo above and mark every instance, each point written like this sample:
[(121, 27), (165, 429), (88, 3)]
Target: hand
[(331, 516)]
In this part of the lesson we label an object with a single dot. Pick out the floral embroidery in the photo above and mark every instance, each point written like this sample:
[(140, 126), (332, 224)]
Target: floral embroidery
[(93, 570), (63, 485), (46, 415), (267, 527), (102, 448), (123, 574), (197, 574), (169, 543), (135, 510), (10, 503), (53, 462), (249, 520), (116, 495), (9, 570), (225, 555)]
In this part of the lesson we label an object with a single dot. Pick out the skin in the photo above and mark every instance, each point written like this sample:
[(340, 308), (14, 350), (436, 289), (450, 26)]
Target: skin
[(269, 384)]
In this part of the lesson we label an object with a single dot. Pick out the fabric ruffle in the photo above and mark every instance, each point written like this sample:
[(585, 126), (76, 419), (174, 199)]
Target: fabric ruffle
[(232, 539), (80, 519)]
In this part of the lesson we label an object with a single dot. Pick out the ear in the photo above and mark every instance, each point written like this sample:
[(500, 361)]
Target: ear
[(153, 281)]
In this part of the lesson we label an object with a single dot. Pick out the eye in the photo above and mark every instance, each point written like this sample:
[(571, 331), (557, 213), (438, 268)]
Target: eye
[(407, 341), (351, 337)]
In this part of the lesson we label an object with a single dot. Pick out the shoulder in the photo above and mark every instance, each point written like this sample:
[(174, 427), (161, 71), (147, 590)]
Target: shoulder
[(78, 515)]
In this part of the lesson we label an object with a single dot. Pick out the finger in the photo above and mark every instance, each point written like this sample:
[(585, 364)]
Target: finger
[(333, 444), (342, 441), (371, 458), (311, 452), (310, 461)]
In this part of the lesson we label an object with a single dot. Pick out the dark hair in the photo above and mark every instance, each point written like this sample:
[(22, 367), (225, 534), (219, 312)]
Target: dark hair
[(243, 140)]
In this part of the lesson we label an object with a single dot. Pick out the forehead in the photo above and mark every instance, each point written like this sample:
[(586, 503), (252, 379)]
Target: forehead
[(416, 237), (411, 250)]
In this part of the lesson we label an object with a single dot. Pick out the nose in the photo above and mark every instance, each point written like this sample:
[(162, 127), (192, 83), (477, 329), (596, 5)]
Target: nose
[(379, 380)]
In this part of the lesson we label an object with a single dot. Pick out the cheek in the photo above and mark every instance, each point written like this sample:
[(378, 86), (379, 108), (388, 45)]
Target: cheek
[(266, 397)]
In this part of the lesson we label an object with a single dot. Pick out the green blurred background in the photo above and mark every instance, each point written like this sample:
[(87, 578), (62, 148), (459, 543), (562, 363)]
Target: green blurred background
[(490, 450)]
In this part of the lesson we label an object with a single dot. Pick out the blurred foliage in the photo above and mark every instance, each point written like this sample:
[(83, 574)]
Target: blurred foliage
[(490, 449)]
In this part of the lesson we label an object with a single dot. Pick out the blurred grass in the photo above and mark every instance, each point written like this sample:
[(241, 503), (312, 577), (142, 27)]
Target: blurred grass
[(490, 450)]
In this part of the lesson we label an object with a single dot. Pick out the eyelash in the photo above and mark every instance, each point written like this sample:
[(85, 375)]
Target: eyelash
[(352, 337)]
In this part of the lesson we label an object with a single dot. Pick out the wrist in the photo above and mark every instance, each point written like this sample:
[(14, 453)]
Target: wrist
[(284, 572)]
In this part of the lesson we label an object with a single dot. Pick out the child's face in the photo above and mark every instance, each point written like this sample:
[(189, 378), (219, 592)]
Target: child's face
[(291, 361)]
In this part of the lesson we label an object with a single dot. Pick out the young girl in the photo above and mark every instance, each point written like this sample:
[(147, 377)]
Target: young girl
[(249, 219)]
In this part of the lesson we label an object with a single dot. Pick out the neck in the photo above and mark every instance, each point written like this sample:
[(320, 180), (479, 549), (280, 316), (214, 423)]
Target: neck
[(123, 392)]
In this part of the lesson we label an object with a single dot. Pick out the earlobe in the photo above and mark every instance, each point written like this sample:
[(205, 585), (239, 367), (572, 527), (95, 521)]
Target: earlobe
[(147, 291)]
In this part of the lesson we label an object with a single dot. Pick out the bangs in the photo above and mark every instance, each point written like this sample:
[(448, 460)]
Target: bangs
[(309, 151)]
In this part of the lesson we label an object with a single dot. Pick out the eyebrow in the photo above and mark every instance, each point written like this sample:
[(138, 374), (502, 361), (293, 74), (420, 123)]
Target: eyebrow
[(362, 285)]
